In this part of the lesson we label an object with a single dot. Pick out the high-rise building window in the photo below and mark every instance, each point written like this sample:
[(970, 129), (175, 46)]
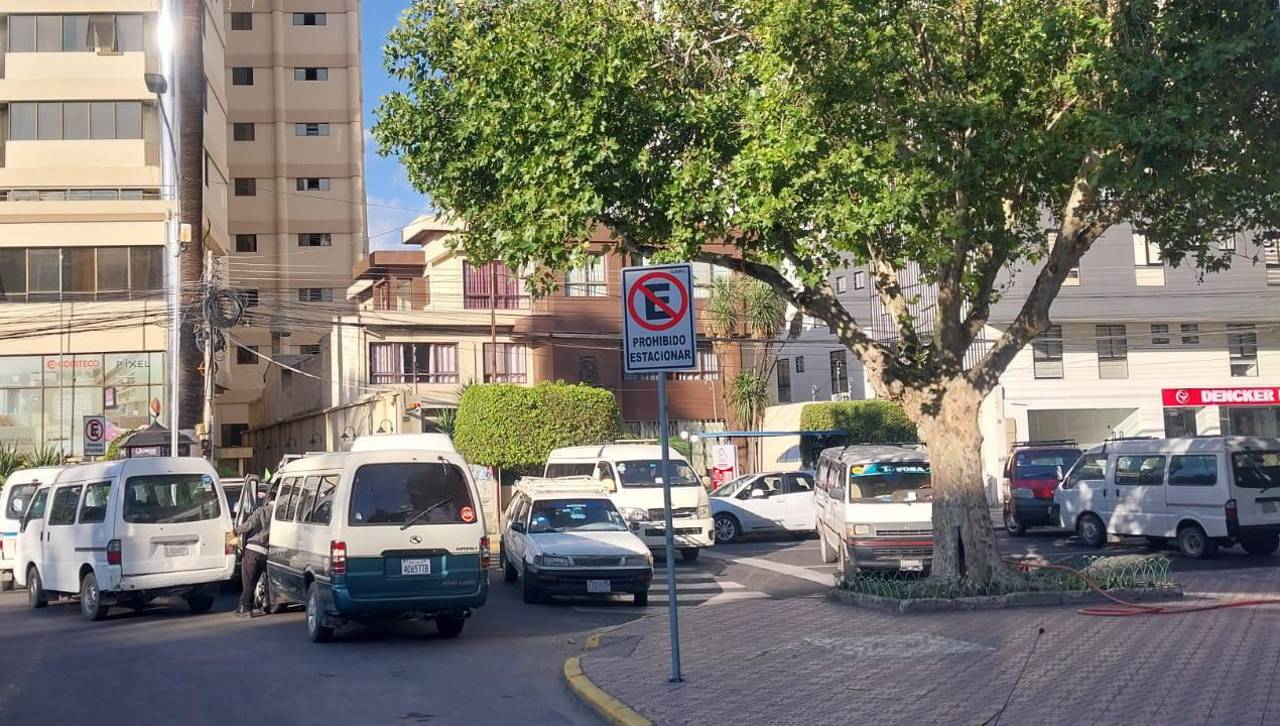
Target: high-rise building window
[(242, 21), (101, 32), (243, 131), (315, 294), (246, 186), (1046, 353), (1160, 334), (1190, 333), (784, 380), (242, 76), (246, 243), (1113, 351), (310, 74), (1242, 345), (310, 19), (315, 239), (250, 297), (50, 274), (313, 184), (311, 129)]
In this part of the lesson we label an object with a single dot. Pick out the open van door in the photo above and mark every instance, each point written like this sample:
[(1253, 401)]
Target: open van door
[(248, 498)]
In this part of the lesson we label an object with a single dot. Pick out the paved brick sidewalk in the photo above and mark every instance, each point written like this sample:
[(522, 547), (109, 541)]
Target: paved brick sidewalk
[(811, 661)]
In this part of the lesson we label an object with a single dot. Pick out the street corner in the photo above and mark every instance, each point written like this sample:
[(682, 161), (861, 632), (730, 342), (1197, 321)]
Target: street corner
[(604, 705)]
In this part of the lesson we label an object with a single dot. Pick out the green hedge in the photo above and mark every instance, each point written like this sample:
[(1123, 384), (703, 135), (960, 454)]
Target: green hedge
[(864, 422), (516, 427)]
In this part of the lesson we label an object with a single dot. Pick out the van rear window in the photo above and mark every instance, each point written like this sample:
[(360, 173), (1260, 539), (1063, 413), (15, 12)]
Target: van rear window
[(19, 497), (417, 493), (170, 499)]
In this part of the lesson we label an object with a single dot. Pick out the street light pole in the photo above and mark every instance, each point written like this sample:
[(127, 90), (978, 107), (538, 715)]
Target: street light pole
[(166, 86)]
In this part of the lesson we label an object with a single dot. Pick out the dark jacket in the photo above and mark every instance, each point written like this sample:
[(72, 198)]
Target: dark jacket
[(256, 530)]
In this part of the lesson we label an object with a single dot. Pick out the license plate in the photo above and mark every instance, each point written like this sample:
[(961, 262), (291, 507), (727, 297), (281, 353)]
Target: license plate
[(599, 586), (176, 550), (911, 565), (415, 567), (1268, 507)]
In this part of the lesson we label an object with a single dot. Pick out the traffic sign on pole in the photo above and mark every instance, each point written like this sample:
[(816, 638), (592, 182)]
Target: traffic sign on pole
[(658, 334), (657, 319), (95, 435)]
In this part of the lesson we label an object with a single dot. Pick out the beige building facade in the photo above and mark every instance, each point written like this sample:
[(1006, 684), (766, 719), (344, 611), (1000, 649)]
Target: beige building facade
[(295, 192)]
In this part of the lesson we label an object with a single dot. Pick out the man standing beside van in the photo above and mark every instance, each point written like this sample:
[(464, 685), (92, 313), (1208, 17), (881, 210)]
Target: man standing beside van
[(254, 532)]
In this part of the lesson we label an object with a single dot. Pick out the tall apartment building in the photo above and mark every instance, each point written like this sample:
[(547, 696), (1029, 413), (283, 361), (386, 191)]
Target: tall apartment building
[(86, 202), (296, 218), (1137, 348), (84, 209)]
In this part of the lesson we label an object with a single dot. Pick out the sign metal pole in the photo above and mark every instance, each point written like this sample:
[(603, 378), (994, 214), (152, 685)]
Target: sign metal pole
[(673, 617)]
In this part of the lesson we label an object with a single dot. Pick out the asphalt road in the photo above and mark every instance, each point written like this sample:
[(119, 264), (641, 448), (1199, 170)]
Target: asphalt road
[(164, 664)]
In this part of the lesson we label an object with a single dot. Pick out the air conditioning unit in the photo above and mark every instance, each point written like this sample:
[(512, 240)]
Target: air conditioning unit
[(840, 397)]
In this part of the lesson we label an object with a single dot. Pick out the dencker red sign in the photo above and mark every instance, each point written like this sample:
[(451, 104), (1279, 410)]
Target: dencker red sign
[(1251, 396)]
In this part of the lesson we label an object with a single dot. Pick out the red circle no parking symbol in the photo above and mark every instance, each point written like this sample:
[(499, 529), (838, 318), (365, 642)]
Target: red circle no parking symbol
[(672, 314)]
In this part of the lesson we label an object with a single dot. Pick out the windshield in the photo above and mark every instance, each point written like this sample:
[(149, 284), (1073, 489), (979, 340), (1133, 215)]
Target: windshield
[(19, 495), (882, 483), (645, 473), (731, 487), (386, 494), (1256, 469), (1043, 464), (170, 499), (575, 515)]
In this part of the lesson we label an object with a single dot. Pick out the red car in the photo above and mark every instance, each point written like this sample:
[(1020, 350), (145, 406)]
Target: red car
[(1031, 475)]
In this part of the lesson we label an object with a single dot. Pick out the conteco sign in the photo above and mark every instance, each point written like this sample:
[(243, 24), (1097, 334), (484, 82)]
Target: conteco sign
[(1251, 396), (657, 319)]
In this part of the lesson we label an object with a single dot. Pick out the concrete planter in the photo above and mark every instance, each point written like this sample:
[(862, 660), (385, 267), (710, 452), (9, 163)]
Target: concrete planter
[(1073, 598)]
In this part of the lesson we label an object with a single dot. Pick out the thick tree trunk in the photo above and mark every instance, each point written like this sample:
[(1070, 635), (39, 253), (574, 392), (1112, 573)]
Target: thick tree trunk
[(964, 539)]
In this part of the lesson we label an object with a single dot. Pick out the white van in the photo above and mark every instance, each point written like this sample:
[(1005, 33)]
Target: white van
[(363, 535), (630, 473), (15, 495), (124, 532), (403, 442), (1203, 492), (875, 508)]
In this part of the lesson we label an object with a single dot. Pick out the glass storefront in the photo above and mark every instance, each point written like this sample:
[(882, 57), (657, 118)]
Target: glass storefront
[(1229, 420), (44, 399)]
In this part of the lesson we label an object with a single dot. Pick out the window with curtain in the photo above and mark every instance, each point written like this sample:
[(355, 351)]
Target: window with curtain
[(512, 359), (708, 366), (476, 280), (588, 280), (413, 362)]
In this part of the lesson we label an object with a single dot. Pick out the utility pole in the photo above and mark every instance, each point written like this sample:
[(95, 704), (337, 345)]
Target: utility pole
[(190, 188), (210, 347), (493, 320)]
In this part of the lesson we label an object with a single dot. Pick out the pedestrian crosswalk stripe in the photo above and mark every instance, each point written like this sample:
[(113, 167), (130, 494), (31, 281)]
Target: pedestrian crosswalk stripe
[(686, 586)]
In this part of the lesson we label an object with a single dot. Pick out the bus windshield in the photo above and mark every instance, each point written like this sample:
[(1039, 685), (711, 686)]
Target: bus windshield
[(892, 482)]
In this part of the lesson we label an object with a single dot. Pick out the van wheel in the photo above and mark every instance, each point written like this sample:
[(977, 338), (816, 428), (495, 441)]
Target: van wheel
[(829, 553), (200, 601), (726, 528), (91, 605), (641, 599), (36, 596), (1260, 545), (448, 626), (1014, 527), (1195, 544), (509, 572), (1091, 530), (317, 631), (530, 592), (689, 554)]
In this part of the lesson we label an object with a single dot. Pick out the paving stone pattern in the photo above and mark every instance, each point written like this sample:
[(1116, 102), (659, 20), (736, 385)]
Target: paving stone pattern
[(812, 661)]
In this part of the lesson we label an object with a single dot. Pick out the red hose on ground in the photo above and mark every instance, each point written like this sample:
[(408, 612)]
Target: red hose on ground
[(1127, 609)]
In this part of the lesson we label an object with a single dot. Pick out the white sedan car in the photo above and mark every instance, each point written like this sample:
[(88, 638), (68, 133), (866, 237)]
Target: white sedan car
[(768, 502)]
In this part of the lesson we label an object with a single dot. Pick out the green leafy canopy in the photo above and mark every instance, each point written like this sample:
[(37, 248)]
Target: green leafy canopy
[(811, 132)]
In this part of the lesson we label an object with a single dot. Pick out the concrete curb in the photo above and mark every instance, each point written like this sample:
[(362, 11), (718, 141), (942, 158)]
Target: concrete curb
[(897, 606), (605, 706)]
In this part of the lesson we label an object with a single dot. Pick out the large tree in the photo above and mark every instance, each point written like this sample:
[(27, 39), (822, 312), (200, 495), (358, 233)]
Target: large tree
[(936, 136)]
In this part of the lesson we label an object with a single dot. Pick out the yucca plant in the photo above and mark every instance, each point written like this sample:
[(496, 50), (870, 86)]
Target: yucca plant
[(45, 456), (10, 460)]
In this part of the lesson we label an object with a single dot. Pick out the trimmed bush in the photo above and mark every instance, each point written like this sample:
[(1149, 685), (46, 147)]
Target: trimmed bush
[(871, 422), (516, 427)]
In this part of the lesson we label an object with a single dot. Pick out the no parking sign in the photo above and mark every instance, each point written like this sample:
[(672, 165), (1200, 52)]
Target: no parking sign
[(657, 319), (95, 435)]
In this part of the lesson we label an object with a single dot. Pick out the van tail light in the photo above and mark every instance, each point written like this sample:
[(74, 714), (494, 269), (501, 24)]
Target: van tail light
[(113, 552), (337, 557), (229, 544), (485, 556), (1232, 511)]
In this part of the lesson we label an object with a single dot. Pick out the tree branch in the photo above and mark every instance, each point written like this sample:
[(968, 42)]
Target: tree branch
[(1079, 230)]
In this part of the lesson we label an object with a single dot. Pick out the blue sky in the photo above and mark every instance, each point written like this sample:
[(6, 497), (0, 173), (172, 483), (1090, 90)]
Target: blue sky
[(392, 201)]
